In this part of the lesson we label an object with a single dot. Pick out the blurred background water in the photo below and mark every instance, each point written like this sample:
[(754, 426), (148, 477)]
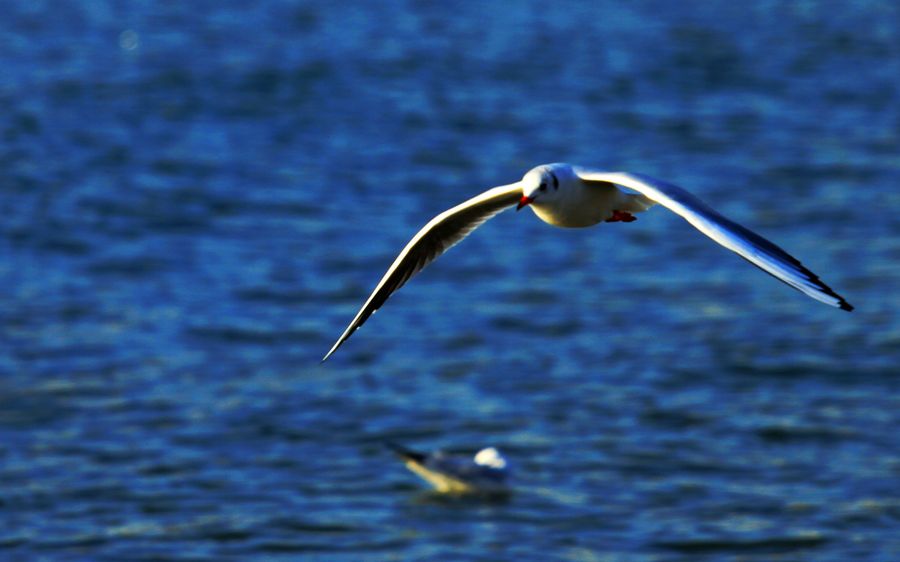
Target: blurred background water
[(197, 197)]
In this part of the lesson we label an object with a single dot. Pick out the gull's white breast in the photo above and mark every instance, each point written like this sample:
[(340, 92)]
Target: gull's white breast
[(577, 205)]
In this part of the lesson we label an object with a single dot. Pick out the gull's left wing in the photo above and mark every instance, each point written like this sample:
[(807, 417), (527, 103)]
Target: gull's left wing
[(439, 235), (744, 242), (438, 470)]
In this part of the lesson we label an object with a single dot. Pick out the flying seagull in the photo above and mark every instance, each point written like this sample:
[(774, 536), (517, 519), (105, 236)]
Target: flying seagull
[(574, 196), (485, 473)]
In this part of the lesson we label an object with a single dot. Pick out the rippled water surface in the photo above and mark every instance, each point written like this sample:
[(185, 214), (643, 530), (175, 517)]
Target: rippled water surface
[(197, 197)]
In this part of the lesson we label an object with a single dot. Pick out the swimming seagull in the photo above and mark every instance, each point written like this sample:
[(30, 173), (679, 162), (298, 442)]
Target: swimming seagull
[(574, 196), (486, 473)]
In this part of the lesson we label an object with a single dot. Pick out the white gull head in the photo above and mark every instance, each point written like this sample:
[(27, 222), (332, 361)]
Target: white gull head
[(541, 185), (490, 458)]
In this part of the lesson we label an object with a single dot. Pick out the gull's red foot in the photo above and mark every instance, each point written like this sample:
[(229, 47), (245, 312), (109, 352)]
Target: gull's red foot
[(621, 216)]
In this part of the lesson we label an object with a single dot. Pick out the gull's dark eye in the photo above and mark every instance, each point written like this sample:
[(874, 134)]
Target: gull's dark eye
[(542, 187)]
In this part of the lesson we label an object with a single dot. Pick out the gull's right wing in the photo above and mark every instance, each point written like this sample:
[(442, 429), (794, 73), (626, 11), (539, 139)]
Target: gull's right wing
[(435, 238)]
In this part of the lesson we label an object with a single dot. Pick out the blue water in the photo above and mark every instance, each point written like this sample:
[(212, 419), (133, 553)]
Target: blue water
[(198, 196)]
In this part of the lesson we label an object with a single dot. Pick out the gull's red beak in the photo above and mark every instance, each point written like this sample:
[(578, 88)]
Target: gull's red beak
[(524, 202)]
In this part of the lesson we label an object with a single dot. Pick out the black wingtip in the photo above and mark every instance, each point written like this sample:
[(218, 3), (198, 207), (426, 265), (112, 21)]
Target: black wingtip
[(333, 349), (404, 453), (846, 306)]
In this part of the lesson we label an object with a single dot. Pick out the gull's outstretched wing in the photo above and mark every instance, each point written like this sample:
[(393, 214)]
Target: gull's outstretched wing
[(435, 238), (746, 243), (437, 469), (407, 455)]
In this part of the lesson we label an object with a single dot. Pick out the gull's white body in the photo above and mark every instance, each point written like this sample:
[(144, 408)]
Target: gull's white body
[(575, 203), (572, 197)]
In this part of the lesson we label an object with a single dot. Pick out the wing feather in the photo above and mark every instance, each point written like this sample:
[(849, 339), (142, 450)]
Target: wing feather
[(439, 235), (741, 240)]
